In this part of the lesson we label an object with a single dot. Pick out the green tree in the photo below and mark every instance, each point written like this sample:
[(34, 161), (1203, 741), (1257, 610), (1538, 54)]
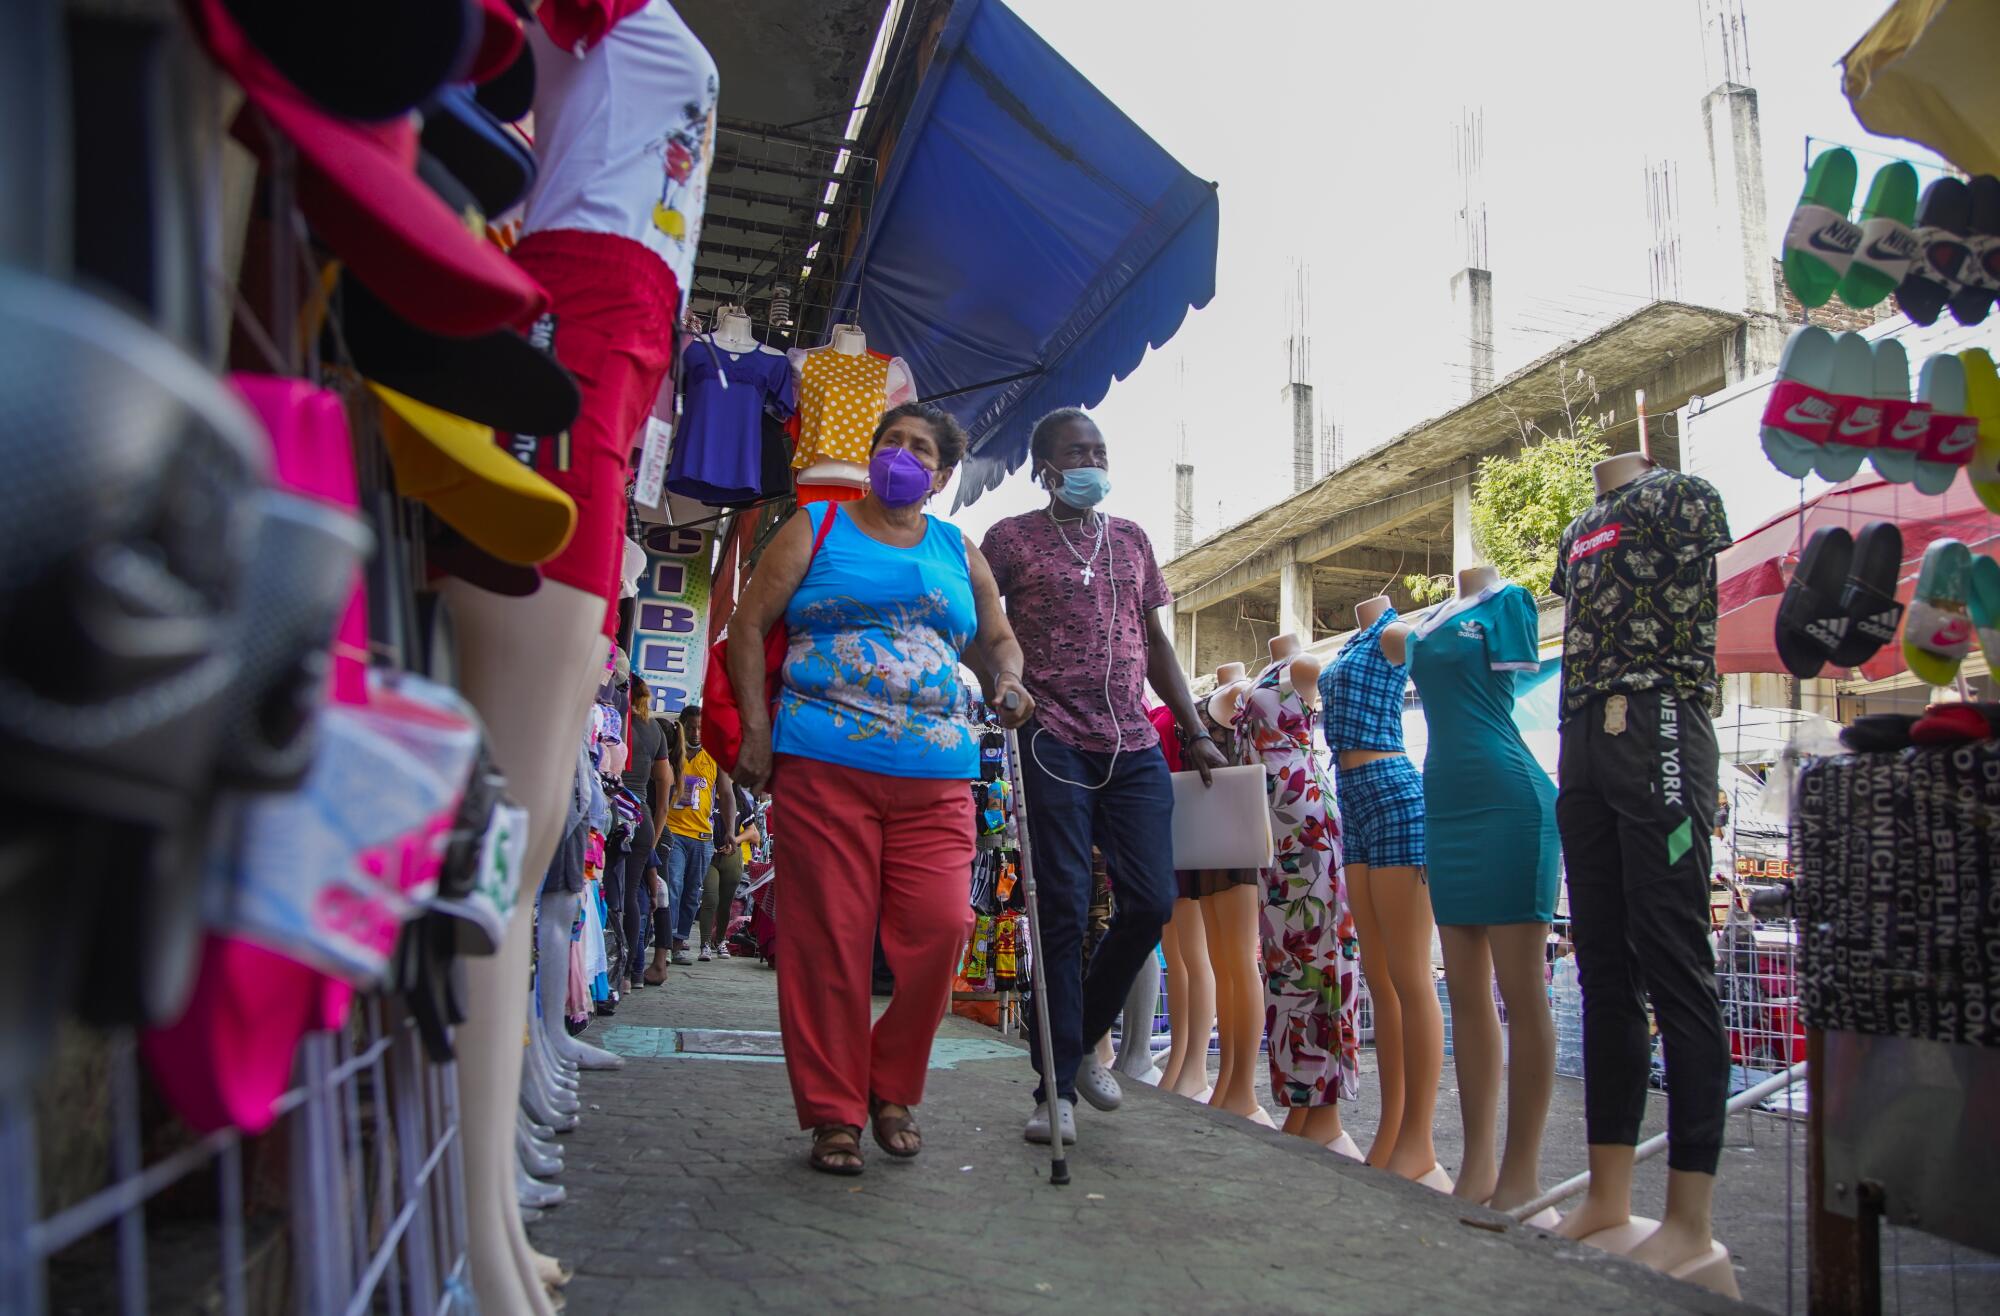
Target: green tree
[(1522, 504)]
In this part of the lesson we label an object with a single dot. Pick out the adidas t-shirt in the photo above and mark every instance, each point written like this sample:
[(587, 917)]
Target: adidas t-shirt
[(1637, 576)]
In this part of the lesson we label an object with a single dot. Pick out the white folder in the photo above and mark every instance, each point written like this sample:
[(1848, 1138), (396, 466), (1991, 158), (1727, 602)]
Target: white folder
[(1227, 825)]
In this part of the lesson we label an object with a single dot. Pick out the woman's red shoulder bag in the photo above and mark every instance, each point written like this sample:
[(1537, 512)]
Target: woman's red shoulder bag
[(721, 717)]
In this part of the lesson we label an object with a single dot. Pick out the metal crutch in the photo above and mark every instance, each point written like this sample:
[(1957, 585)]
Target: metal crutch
[(1058, 1158)]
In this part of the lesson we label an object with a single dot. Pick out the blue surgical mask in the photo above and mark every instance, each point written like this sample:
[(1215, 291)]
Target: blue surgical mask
[(1085, 486)]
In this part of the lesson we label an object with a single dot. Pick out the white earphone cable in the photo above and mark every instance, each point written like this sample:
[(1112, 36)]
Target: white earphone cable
[(1110, 633)]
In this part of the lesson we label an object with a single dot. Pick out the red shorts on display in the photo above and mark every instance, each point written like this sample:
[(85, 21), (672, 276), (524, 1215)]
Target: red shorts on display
[(612, 310)]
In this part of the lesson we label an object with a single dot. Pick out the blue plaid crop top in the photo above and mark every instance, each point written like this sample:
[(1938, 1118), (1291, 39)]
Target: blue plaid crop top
[(1361, 693)]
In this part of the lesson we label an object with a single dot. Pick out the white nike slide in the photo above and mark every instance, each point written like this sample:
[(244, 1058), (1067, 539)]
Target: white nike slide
[(1948, 448), (1802, 410), (1904, 423), (1860, 425)]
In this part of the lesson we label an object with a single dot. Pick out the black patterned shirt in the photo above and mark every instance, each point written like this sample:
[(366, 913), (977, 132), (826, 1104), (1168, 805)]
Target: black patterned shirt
[(1637, 576)]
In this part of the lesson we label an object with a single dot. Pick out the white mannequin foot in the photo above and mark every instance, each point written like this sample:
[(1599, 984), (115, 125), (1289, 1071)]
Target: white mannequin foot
[(1204, 1095), (1345, 1145), (534, 1159), (532, 1192), (1263, 1117), (554, 1274), (1435, 1179)]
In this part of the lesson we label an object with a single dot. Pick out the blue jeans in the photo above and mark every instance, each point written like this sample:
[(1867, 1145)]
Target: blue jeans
[(1129, 819), (686, 861)]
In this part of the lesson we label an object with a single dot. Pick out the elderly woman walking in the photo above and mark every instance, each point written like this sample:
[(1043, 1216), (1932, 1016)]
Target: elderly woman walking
[(870, 766)]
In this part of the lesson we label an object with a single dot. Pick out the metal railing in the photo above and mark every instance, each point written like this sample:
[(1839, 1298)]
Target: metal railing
[(367, 1213)]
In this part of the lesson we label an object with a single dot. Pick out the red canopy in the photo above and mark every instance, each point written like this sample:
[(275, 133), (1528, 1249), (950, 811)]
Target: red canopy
[(1753, 572)]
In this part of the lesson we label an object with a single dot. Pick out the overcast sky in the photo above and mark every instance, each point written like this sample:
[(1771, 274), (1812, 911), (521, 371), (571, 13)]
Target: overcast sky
[(1329, 130)]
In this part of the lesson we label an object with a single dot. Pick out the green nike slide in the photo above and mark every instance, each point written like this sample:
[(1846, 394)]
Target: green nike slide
[(1937, 633), (1983, 601), (1982, 399), (1888, 244), (1820, 242)]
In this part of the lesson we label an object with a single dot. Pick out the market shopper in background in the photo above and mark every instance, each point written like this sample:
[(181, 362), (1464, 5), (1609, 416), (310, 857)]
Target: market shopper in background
[(869, 764), (725, 875), (650, 774), (1083, 591), (703, 799)]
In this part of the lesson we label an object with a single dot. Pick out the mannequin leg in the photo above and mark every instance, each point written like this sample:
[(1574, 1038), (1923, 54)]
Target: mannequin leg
[(1608, 1201), (558, 916), (523, 664), (1320, 1124), (1142, 1002), (1233, 945), (1403, 908), (1191, 1002), (1518, 950), (1387, 1012), (1225, 993), (1686, 1231), (1177, 987), (1475, 1050)]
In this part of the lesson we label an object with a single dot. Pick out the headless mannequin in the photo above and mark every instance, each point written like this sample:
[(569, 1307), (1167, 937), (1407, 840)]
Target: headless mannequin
[(1229, 923), (558, 917), (849, 340), (1392, 916), (732, 331), (1683, 1243), (1190, 989), (1320, 1124), (529, 665), (1473, 956)]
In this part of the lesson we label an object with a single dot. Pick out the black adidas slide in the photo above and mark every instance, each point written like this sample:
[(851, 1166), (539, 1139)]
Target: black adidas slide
[(1811, 622), (1869, 600)]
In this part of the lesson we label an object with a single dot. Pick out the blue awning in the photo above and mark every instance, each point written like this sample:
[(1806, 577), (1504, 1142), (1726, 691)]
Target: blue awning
[(1029, 243)]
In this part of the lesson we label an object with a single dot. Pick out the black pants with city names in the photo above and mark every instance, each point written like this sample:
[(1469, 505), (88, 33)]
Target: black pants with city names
[(1636, 808)]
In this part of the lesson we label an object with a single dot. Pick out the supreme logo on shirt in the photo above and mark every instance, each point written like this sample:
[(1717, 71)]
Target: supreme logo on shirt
[(1595, 542)]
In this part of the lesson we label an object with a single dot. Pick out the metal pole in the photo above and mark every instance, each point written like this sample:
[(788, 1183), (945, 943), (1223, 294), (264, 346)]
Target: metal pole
[(1656, 1144), (1038, 973)]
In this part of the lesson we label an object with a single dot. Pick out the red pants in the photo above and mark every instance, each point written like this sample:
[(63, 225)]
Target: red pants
[(614, 305), (855, 848)]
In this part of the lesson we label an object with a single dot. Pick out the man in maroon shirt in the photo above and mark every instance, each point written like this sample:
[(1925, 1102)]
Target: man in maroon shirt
[(1083, 593)]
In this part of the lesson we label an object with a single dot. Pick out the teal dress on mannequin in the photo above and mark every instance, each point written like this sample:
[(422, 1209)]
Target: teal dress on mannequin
[(1490, 810)]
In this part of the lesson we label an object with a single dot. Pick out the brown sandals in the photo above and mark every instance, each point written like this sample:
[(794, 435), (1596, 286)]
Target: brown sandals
[(889, 1127), (836, 1149)]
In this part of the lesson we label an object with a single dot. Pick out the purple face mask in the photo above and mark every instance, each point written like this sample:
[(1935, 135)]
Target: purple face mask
[(898, 479)]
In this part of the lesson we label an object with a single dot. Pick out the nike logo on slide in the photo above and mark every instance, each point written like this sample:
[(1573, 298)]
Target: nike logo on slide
[(1839, 238), (1861, 420), (1913, 426), (1810, 412), (1892, 248), (1959, 438), (1954, 632)]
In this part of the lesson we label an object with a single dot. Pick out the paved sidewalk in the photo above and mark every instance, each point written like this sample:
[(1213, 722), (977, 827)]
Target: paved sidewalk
[(688, 1185)]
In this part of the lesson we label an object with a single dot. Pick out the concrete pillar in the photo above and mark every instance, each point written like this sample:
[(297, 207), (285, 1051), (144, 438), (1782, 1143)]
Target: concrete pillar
[(1298, 400), (1736, 272), (1463, 554), (1184, 641), (1183, 508), (1472, 315), (1295, 601)]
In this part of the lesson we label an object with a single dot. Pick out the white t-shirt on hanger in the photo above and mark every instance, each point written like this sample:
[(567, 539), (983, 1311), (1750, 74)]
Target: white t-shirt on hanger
[(625, 134)]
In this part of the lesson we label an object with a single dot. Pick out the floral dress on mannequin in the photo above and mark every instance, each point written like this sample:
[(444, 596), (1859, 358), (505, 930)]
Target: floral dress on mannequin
[(1312, 959)]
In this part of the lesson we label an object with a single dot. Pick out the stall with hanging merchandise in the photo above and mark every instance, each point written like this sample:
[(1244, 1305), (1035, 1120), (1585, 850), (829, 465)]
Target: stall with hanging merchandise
[(1888, 583)]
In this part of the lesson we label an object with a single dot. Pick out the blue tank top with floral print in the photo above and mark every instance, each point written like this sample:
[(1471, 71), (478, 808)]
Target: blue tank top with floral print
[(871, 677)]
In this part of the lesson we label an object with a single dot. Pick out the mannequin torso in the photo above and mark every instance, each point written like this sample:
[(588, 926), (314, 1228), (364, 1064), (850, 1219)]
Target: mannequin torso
[(849, 340), (1613, 472), (1365, 613), (732, 332), (1304, 668)]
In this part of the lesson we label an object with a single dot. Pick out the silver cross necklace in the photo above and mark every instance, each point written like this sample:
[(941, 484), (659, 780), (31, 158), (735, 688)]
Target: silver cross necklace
[(1096, 545)]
